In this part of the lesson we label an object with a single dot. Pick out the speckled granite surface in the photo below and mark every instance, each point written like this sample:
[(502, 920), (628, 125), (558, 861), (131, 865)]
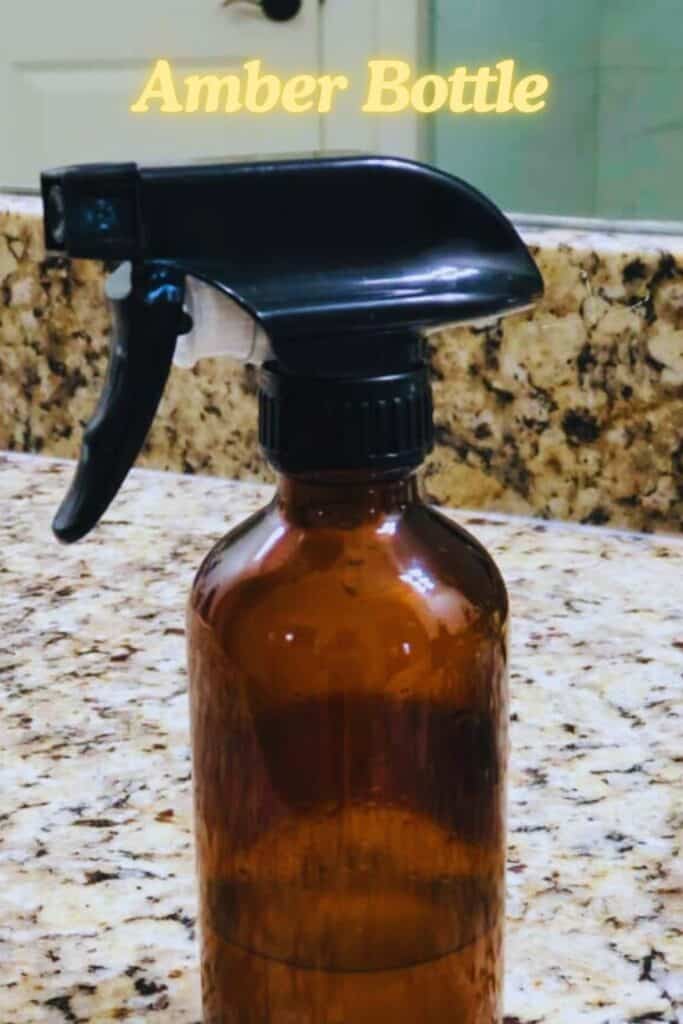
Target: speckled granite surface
[(97, 901), (573, 412)]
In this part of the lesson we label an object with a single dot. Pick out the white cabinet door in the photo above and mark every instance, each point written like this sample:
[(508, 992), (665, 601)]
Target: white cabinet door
[(69, 71)]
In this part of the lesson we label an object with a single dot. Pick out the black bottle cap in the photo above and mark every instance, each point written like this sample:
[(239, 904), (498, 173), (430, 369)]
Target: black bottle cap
[(309, 424)]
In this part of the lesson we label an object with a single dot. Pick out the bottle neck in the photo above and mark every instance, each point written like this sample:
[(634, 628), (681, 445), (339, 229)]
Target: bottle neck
[(346, 499)]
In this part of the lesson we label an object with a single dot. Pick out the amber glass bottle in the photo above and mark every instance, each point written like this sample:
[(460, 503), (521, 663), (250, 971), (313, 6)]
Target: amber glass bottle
[(348, 694), (347, 645)]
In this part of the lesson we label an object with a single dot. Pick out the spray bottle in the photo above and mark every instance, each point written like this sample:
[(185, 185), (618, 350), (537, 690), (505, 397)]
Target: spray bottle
[(348, 643)]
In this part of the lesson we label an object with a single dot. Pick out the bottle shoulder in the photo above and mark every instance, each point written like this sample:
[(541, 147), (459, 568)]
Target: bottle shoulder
[(407, 605), (461, 558), (418, 553)]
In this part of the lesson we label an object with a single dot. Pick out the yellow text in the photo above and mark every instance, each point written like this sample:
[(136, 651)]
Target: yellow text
[(392, 88), (254, 91)]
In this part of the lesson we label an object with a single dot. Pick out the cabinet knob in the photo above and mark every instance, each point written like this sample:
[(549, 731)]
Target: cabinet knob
[(276, 10)]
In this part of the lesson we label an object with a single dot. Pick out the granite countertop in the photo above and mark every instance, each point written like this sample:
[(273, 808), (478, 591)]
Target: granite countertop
[(97, 901)]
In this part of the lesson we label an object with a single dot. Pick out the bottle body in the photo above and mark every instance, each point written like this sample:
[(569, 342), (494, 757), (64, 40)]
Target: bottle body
[(347, 652)]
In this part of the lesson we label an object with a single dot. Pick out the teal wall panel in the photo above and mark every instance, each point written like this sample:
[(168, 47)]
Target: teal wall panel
[(610, 141), (640, 136)]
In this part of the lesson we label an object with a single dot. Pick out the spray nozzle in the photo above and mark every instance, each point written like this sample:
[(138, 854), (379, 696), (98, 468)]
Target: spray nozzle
[(333, 268)]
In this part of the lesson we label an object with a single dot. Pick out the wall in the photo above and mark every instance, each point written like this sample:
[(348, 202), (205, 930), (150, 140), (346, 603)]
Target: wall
[(610, 142)]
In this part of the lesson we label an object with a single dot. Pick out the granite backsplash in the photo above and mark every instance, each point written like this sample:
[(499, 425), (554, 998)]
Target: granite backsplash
[(573, 411)]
